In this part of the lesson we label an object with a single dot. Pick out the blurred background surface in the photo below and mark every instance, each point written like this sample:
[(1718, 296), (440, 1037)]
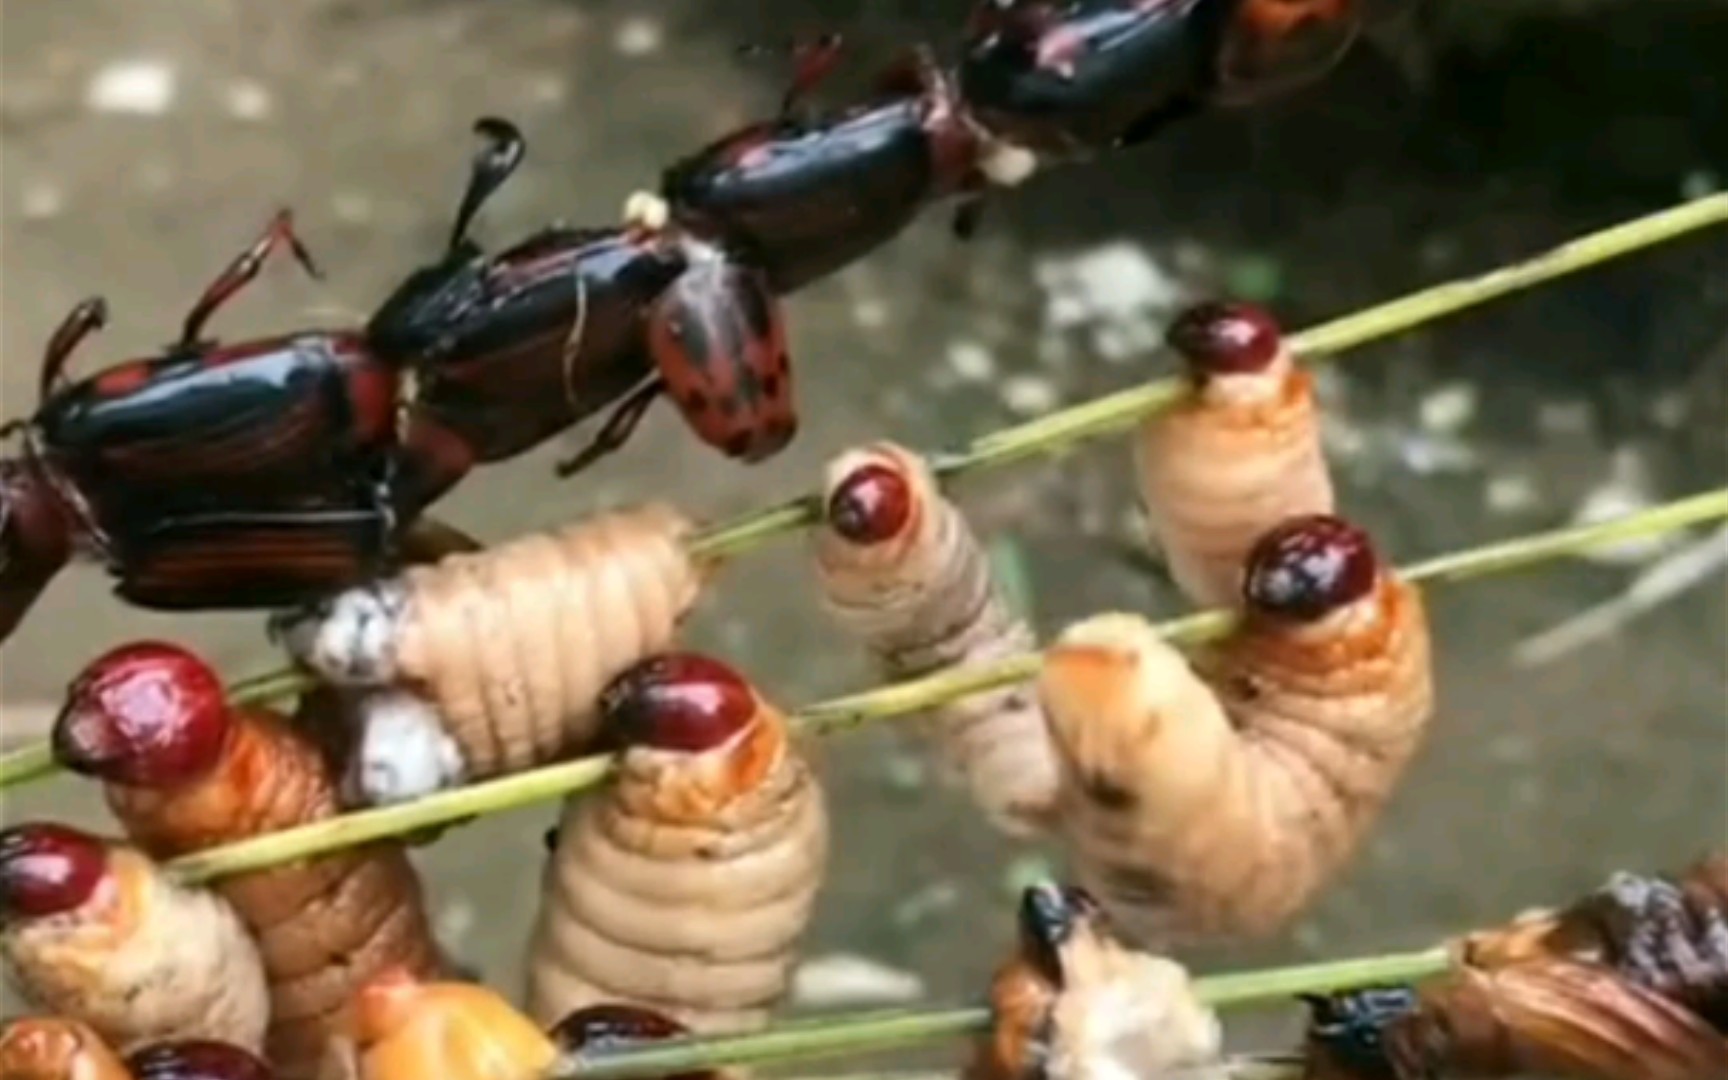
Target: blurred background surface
[(142, 144)]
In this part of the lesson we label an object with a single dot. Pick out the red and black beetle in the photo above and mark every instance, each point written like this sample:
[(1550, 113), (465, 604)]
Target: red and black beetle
[(1065, 78), (512, 348), (210, 476), (802, 198)]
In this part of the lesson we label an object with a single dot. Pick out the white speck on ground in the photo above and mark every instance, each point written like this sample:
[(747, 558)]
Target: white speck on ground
[(249, 100), (1029, 395), (42, 200), (971, 361), (870, 314), (845, 979), (1117, 291), (1563, 418), (132, 87), (1511, 493), (1449, 409), (1625, 490), (638, 36)]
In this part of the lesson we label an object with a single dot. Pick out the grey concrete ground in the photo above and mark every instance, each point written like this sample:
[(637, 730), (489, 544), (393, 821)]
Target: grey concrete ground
[(142, 144)]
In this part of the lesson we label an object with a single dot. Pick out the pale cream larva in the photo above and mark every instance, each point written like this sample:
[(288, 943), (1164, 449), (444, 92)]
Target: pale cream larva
[(489, 663), (902, 571), (686, 884), (1073, 1003), (93, 931), (1215, 800), (1235, 457)]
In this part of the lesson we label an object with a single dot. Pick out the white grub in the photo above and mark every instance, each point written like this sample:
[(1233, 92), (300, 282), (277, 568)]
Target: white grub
[(845, 980), (404, 752), (349, 639), (137, 87), (639, 35)]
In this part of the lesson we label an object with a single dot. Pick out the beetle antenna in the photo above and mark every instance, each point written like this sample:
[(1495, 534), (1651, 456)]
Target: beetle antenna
[(497, 158), (89, 315)]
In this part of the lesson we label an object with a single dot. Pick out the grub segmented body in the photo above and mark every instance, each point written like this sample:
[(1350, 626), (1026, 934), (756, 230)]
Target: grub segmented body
[(901, 570), (56, 1048), (686, 883), (323, 926), (1216, 798), (491, 663), (97, 932), (1238, 455)]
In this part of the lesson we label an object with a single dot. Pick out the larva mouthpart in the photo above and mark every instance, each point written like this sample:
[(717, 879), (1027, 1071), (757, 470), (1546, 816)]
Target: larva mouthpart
[(921, 597), (1214, 798), (323, 926), (1233, 459), (685, 885), (143, 960)]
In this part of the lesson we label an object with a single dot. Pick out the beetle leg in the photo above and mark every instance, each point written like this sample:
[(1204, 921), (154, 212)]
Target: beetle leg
[(966, 218), (812, 61), (431, 460), (90, 315), (241, 272), (499, 155), (617, 429)]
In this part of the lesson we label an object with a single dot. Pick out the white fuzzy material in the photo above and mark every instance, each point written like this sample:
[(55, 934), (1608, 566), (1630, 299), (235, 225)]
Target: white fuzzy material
[(349, 639), (1007, 165), (404, 752)]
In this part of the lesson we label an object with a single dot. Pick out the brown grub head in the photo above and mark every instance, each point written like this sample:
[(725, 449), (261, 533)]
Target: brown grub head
[(676, 701), (48, 869), (148, 714), (197, 1059), (871, 505), (1221, 338), (1308, 567)]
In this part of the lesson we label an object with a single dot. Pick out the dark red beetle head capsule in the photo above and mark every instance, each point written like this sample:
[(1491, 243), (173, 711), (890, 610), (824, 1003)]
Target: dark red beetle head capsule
[(1308, 567), (147, 714), (871, 505), (592, 1032), (197, 1059), (35, 540), (1048, 916), (676, 701), (48, 869), (1218, 338)]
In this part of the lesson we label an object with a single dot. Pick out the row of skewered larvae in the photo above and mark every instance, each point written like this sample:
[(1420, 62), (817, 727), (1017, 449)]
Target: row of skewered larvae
[(478, 639), (685, 882), (1629, 983)]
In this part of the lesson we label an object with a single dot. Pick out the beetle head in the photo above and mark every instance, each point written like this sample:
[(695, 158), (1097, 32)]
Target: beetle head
[(35, 539)]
